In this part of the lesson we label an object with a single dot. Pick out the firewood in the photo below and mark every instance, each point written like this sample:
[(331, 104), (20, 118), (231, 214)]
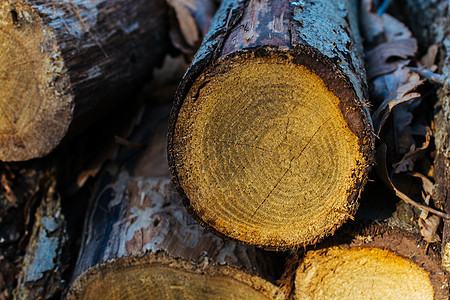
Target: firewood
[(140, 242), (63, 64), (377, 262), (43, 265), (270, 141)]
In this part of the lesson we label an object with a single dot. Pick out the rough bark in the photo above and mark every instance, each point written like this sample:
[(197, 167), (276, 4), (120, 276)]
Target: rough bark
[(140, 241), (270, 140), (432, 25), (371, 262), (43, 265), (65, 63), (23, 188)]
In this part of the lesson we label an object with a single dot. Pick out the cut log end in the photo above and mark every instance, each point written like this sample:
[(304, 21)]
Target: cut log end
[(161, 277), (36, 109), (361, 273), (281, 154)]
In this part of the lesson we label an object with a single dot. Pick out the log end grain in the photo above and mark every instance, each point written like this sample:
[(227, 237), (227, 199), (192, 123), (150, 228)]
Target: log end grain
[(161, 277), (376, 261), (361, 273), (35, 104), (269, 147)]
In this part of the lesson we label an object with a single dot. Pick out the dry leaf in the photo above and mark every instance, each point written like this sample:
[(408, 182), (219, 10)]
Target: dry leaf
[(409, 159), (382, 171), (429, 58), (428, 228), (186, 20), (381, 60), (400, 95), (394, 29)]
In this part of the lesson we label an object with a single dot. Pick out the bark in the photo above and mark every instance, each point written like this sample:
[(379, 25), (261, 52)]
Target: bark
[(140, 241), (372, 261), (23, 188), (43, 264), (269, 117), (66, 63), (435, 19)]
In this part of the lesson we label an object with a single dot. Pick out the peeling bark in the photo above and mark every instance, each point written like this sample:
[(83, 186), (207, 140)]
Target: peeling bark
[(43, 265)]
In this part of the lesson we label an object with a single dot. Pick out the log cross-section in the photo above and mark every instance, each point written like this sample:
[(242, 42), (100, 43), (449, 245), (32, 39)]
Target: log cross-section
[(270, 141)]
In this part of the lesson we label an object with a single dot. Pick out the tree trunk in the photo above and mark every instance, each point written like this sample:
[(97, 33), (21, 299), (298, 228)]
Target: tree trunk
[(65, 63), (436, 17), (376, 262), (140, 242), (270, 141)]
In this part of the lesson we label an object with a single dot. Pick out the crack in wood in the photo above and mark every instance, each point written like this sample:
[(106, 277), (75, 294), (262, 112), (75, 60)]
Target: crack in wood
[(289, 168)]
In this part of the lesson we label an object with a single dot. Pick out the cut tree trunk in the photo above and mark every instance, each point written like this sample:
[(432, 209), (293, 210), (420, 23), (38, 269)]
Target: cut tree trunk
[(436, 17), (140, 242), (270, 141), (377, 262), (65, 63)]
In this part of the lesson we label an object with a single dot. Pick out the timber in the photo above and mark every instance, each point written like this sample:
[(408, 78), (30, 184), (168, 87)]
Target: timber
[(270, 140), (141, 243), (376, 262), (64, 64)]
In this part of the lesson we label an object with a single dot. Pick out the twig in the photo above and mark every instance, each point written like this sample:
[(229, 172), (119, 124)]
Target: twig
[(434, 77), (382, 170)]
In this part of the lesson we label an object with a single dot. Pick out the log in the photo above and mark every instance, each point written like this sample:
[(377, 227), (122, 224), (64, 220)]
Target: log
[(436, 16), (63, 64), (270, 141), (43, 265), (376, 262), (140, 242)]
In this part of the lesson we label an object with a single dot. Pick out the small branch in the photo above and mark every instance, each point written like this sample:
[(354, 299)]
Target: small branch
[(434, 77), (382, 171)]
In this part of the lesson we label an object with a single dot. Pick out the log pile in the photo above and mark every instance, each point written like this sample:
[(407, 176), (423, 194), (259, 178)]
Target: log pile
[(250, 185)]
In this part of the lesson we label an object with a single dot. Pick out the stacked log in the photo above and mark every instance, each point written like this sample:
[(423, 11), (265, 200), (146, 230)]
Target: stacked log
[(270, 141), (65, 63), (139, 241), (374, 262)]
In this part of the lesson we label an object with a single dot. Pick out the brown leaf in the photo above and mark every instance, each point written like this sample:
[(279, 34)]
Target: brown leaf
[(408, 160), (401, 95), (428, 228), (8, 192), (186, 21), (429, 58), (382, 171), (372, 24), (394, 29), (381, 59)]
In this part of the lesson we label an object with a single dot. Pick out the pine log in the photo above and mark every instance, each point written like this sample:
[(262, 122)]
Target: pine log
[(140, 242), (270, 141), (375, 262), (436, 16), (65, 63)]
